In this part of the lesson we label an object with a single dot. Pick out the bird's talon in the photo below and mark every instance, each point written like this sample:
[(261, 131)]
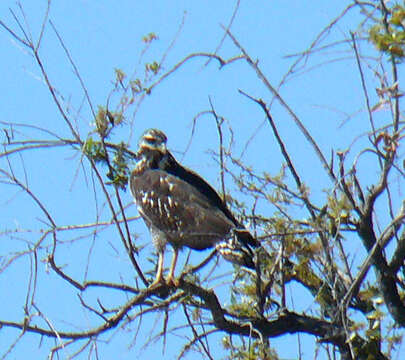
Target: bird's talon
[(166, 195), (156, 283), (171, 281)]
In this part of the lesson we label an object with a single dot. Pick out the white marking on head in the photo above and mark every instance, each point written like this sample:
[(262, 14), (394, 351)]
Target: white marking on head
[(153, 139)]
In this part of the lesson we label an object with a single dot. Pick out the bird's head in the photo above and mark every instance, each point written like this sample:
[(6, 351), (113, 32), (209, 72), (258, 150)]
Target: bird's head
[(152, 140)]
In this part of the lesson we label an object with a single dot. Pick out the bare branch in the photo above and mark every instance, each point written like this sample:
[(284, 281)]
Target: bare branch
[(222, 63), (262, 77)]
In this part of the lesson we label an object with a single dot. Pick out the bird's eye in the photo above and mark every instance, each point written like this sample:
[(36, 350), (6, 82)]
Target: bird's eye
[(151, 141)]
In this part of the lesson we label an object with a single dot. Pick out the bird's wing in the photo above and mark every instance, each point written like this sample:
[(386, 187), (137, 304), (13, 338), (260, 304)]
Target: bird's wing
[(198, 183), (179, 210)]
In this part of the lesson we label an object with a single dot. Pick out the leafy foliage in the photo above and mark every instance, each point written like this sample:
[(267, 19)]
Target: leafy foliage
[(95, 150), (388, 35), (119, 169), (344, 251)]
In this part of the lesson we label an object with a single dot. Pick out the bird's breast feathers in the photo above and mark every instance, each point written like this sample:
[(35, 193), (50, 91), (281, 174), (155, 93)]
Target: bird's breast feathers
[(179, 210)]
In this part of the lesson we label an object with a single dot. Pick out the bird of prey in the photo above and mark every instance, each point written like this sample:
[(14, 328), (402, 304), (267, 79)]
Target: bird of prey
[(182, 209)]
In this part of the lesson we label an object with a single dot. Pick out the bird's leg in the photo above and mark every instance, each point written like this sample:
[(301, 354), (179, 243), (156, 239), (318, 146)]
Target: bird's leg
[(170, 278), (159, 274)]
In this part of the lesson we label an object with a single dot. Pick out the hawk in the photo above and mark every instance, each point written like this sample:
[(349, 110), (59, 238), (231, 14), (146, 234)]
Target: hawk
[(182, 209)]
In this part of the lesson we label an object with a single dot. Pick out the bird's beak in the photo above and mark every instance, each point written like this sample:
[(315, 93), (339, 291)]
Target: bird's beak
[(162, 148), (144, 146)]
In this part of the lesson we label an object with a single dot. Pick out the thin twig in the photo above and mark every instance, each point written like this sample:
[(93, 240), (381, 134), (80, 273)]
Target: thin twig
[(196, 336), (303, 129), (222, 63), (235, 11), (76, 70), (44, 21), (219, 122)]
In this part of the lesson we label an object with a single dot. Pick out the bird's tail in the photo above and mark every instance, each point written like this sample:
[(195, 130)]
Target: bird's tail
[(245, 237), (236, 252)]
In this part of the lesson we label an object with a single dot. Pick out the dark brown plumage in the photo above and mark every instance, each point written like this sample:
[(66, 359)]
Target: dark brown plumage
[(182, 209)]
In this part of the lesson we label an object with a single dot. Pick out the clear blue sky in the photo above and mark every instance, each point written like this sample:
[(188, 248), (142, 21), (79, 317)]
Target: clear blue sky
[(104, 35)]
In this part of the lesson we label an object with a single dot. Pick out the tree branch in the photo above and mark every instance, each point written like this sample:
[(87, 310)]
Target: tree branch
[(262, 77)]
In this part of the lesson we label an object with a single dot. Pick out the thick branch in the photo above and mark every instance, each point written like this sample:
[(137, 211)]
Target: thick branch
[(286, 323), (399, 254), (385, 275)]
